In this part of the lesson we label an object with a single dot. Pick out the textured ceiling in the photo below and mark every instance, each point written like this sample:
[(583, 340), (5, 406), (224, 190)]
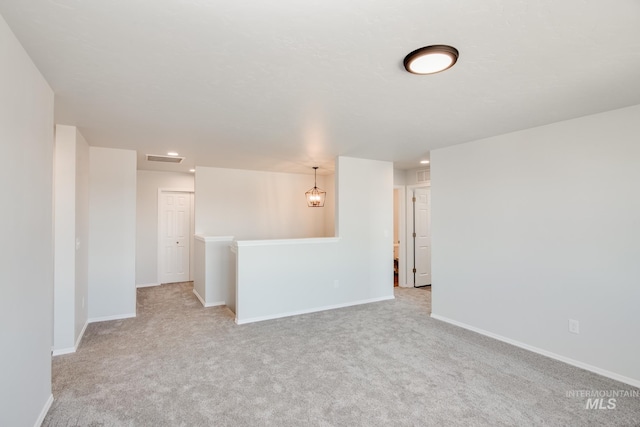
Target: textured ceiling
[(288, 85)]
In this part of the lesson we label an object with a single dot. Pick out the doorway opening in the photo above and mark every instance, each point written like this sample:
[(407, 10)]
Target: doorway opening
[(396, 238), (419, 236), (175, 236), (399, 226)]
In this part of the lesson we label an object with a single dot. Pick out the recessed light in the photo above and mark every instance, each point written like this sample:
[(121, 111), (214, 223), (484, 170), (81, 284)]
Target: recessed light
[(424, 162), (192, 170), (172, 153), (431, 59)]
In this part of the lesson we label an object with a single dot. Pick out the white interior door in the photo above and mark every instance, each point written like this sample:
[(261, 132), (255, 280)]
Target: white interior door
[(422, 216), (174, 231)]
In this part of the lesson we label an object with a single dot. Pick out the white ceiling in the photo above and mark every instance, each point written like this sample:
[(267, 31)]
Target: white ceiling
[(286, 85)]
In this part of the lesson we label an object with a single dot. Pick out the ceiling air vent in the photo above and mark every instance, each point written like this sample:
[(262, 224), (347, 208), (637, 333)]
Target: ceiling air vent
[(422, 176), (165, 159)]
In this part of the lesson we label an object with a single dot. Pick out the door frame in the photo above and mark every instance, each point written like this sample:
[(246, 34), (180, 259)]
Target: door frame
[(191, 229), (409, 230), (402, 233)]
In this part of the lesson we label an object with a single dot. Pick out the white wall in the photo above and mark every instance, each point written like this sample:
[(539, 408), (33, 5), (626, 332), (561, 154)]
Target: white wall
[(258, 205), (82, 237), (65, 235), (399, 177), (147, 219), (200, 274), (71, 199), (212, 275), (279, 278), (26, 292), (329, 209), (112, 233), (536, 227)]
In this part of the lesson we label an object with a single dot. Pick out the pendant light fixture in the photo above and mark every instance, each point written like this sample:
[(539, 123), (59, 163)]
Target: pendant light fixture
[(315, 196)]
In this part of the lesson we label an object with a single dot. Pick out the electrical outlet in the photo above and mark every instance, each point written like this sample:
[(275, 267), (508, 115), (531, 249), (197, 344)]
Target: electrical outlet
[(574, 326)]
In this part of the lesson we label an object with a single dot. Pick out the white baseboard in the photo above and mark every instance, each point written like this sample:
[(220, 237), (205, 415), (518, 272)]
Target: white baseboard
[(73, 349), (115, 317), (215, 304), (310, 310), (199, 297), (549, 354), (61, 351), (208, 304), (147, 285), (84, 328), (44, 411)]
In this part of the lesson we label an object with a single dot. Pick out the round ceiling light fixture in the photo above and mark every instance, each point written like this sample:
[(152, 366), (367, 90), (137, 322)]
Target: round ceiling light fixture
[(431, 59)]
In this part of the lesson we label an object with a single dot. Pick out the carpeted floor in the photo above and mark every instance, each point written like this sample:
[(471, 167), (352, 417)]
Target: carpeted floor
[(381, 364)]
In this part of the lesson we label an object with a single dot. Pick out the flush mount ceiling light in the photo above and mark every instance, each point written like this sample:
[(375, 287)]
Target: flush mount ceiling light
[(431, 59), (424, 162), (172, 153), (315, 196)]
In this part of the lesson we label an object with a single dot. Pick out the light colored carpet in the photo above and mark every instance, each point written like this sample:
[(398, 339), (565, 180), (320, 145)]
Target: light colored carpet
[(381, 364)]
